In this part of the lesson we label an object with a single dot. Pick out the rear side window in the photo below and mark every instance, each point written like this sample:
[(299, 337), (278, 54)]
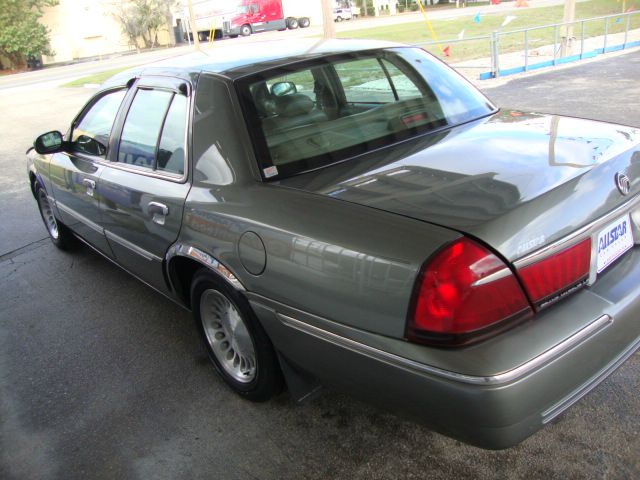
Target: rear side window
[(91, 134), (153, 136)]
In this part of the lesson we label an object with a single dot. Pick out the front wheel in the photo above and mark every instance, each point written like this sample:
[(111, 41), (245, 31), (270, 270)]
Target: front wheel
[(245, 30), (236, 343), (59, 234)]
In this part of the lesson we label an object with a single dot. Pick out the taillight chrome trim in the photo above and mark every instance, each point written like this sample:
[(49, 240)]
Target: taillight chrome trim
[(505, 272), (590, 230)]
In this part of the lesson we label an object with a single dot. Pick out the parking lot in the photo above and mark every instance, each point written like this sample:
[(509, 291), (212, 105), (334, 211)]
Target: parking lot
[(101, 377)]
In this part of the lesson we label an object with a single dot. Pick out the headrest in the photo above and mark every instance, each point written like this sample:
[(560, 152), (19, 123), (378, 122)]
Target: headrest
[(293, 105)]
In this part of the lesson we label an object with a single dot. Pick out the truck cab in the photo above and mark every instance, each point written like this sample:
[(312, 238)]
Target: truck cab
[(253, 16)]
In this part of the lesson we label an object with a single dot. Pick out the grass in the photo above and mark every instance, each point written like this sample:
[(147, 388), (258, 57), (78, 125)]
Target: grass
[(97, 78), (447, 29)]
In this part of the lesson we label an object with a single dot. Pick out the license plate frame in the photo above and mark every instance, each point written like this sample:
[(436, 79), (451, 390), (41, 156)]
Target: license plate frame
[(613, 241)]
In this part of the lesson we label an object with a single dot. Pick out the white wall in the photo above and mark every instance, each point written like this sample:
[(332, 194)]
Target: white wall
[(85, 28)]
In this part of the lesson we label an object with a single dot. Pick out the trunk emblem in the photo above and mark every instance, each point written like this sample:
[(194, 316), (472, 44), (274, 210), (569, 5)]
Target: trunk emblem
[(623, 183)]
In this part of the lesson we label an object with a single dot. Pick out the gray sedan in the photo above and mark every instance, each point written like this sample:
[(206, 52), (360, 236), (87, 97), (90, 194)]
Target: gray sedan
[(356, 214)]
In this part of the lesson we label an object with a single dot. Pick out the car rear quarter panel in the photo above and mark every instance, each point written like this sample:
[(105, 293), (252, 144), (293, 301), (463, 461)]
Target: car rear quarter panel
[(347, 263)]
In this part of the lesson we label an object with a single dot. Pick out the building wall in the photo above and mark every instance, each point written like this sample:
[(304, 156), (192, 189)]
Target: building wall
[(86, 28)]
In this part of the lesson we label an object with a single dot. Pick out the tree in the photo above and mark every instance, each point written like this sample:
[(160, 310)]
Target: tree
[(21, 36), (143, 19)]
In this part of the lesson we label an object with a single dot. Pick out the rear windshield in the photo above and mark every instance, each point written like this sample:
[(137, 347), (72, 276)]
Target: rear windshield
[(317, 113)]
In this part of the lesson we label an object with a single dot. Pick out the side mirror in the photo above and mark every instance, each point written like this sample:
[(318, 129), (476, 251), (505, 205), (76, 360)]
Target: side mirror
[(283, 88), (50, 142)]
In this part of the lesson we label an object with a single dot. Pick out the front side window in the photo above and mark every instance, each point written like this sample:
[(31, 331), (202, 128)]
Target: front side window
[(316, 113), (153, 136), (91, 134)]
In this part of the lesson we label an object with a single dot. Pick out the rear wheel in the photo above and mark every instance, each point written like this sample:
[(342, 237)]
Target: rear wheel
[(304, 22), (59, 234), (236, 343), (245, 30), (292, 23)]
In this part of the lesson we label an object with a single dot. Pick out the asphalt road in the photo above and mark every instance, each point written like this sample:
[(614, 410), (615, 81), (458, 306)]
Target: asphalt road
[(102, 378)]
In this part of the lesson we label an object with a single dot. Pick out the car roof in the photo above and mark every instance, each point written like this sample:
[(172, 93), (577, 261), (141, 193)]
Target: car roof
[(247, 58)]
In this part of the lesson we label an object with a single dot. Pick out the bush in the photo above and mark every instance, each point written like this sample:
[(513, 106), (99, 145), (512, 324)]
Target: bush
[(371, 11)]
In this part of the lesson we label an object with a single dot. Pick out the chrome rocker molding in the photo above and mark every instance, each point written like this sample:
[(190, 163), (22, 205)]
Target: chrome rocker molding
[(134, 248), (174, 300), (395, 360), (79, 218), (182, 250)]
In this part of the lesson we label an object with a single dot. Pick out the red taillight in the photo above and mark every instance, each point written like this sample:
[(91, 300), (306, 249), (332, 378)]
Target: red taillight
[(464, 289), (550, 276)]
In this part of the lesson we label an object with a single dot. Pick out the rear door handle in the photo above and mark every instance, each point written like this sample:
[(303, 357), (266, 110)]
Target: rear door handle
[(158, 212), (90, 184)]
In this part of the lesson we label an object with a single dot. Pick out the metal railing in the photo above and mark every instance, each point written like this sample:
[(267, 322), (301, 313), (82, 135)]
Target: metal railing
[(592, 40)]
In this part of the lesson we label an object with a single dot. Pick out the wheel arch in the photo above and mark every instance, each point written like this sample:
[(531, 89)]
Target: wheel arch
[(32, 182), (183, 261)]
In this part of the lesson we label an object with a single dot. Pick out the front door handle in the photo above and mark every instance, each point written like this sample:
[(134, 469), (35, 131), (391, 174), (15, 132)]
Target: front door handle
[(90, 184), (158, 212)]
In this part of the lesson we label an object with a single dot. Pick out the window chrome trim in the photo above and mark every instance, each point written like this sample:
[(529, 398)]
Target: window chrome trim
[(589, 230), (509, 376), (132, 246), (183, 250), (144, 171), (80, 218)]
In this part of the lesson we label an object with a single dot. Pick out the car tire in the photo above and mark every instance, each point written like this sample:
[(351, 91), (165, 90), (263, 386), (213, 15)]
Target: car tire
[(245, 30), (338, 19), (58, 232), (236, 343), (304, 22), (292, 23)]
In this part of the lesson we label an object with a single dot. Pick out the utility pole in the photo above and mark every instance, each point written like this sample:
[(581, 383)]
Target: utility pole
[(567, 38), (192, 22), (327, 19)]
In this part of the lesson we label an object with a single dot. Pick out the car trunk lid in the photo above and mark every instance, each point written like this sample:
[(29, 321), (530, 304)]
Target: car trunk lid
[(516, 181)]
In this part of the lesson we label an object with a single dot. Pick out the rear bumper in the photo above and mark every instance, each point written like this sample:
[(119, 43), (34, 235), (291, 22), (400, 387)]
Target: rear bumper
[(495, 409)]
